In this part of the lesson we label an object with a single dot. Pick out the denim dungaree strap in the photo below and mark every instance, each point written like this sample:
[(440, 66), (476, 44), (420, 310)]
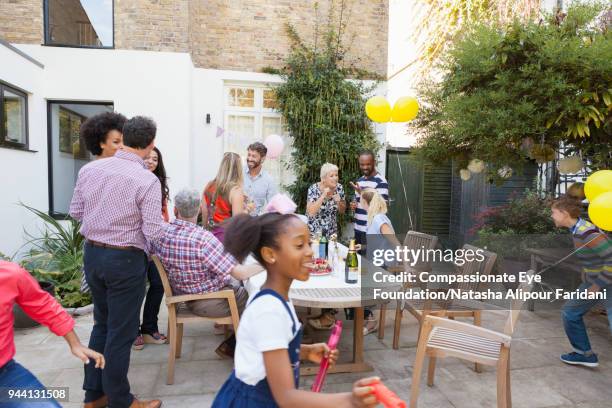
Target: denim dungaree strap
[(237, 394)]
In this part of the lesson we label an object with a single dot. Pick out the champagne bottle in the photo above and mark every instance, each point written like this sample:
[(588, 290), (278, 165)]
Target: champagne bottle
[(351, 268), (323, 247)]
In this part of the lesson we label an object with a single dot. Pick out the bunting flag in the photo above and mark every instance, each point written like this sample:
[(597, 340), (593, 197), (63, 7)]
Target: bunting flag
[(220, 131)]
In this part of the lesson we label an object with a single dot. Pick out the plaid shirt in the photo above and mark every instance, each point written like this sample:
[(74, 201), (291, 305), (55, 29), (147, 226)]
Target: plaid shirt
[(195, 260), (118, 202)]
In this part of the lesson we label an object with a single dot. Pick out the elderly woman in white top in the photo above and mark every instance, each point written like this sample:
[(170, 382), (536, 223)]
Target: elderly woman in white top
[(325, 201)]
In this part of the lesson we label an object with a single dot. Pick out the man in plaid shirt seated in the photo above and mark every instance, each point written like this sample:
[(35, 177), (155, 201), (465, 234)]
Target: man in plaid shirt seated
[(196, 262)]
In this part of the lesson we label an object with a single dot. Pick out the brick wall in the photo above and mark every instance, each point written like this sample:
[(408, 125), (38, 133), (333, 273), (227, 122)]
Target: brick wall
[(152, 25), (247, 35), (21, 21), (244, 35)]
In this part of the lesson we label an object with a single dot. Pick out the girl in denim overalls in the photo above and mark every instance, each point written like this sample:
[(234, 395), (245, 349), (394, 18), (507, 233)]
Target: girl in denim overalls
[(268, 342)]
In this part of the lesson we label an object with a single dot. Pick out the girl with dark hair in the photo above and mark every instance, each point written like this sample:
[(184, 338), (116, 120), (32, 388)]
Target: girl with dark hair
[(155, 163), (267, 356), (103, 134), (149, 332)]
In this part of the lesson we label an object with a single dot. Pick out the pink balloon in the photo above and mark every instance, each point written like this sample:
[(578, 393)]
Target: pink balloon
[(275, 146)]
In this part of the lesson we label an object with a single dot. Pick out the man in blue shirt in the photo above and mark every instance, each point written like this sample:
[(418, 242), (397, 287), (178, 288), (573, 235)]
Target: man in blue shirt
[(258, 184)]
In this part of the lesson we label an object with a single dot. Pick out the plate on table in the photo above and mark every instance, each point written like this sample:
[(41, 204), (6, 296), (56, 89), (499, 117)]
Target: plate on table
[(321, 268)]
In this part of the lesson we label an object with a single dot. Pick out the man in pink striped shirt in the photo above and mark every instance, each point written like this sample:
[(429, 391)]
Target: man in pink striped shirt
[(118, 202)]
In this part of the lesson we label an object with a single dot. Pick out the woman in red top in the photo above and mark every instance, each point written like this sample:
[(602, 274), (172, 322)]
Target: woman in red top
[(224, 195), (149, 332)]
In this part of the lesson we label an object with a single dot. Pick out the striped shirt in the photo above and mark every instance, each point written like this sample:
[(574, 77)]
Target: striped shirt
[(118, 202), (594, 250), (377, 182), (194, 259)]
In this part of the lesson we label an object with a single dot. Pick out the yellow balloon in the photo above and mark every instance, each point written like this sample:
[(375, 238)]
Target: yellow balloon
[(600, 211), (378, 109), (598, 183), (405, 109)]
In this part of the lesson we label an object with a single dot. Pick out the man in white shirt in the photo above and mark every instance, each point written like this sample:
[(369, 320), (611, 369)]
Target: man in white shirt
[(258, 184)]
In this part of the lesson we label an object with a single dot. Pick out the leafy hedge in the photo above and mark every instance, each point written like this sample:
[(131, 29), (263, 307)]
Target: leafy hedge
[(547, 82)]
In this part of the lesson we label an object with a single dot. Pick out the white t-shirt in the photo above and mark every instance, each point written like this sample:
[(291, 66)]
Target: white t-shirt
[(265, 325)]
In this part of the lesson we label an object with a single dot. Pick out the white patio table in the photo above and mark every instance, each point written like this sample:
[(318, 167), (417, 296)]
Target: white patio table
[(331, 291)]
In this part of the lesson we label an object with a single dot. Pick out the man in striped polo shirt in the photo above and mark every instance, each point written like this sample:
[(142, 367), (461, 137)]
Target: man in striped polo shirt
[(594, 250), (370, 178)]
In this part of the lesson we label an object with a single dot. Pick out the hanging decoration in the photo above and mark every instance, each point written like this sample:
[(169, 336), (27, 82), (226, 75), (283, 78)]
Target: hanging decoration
[(570, 165), (505, 172), (465, 174), (542, 153), (220, 131), (476, 166)]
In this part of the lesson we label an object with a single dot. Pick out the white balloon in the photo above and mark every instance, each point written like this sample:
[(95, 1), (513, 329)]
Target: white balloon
[(570, 165), (505, 172), (465, 174), (476, 166), (275, 146)]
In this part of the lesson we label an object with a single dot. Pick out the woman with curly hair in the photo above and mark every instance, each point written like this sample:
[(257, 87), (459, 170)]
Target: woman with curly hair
[(103, 134)]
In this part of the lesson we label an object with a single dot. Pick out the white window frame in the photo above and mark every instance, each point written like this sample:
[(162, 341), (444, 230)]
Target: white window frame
[(257, 111)]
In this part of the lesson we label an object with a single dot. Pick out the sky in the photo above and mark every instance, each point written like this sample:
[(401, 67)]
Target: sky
[(101, 16)]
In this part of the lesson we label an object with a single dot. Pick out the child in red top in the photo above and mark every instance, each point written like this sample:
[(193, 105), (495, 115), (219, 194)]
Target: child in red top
[(19, 287)]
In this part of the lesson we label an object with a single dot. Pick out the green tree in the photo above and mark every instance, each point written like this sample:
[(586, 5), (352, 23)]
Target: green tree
[(323, 110), (503, 88)]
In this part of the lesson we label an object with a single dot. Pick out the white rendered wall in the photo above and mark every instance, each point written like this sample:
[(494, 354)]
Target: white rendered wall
[(154, 84), (23, 175), (164, 86)]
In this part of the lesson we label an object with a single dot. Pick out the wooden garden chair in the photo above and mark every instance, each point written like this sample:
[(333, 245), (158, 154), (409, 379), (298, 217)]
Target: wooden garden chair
[(412, 240), (452, 309), (178, 314), (441, 338)]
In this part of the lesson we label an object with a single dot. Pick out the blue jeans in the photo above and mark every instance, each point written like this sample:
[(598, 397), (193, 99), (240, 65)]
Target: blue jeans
[(15, 376), (153, 300), (117, 282), (573, 312)]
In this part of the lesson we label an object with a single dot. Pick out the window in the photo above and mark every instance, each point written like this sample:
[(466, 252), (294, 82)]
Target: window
[(67, 151), (13, 117), (79, 23), (250, 116)]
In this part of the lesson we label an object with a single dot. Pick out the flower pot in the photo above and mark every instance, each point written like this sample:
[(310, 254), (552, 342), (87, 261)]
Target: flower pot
[(22, 320)]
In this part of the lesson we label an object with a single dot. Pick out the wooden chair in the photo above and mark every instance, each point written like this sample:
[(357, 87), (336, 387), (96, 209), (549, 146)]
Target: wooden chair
[(421, 308), (413, 240), (442, 338), (178, 314)]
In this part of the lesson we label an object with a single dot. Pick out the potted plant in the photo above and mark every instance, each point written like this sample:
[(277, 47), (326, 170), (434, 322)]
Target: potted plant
[(55, 258)]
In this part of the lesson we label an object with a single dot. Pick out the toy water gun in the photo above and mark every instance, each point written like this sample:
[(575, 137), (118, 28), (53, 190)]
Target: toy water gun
[(332, 343), (385, 396)]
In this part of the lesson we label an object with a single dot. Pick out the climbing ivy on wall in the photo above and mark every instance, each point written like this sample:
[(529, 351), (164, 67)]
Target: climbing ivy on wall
[(323, 107)]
